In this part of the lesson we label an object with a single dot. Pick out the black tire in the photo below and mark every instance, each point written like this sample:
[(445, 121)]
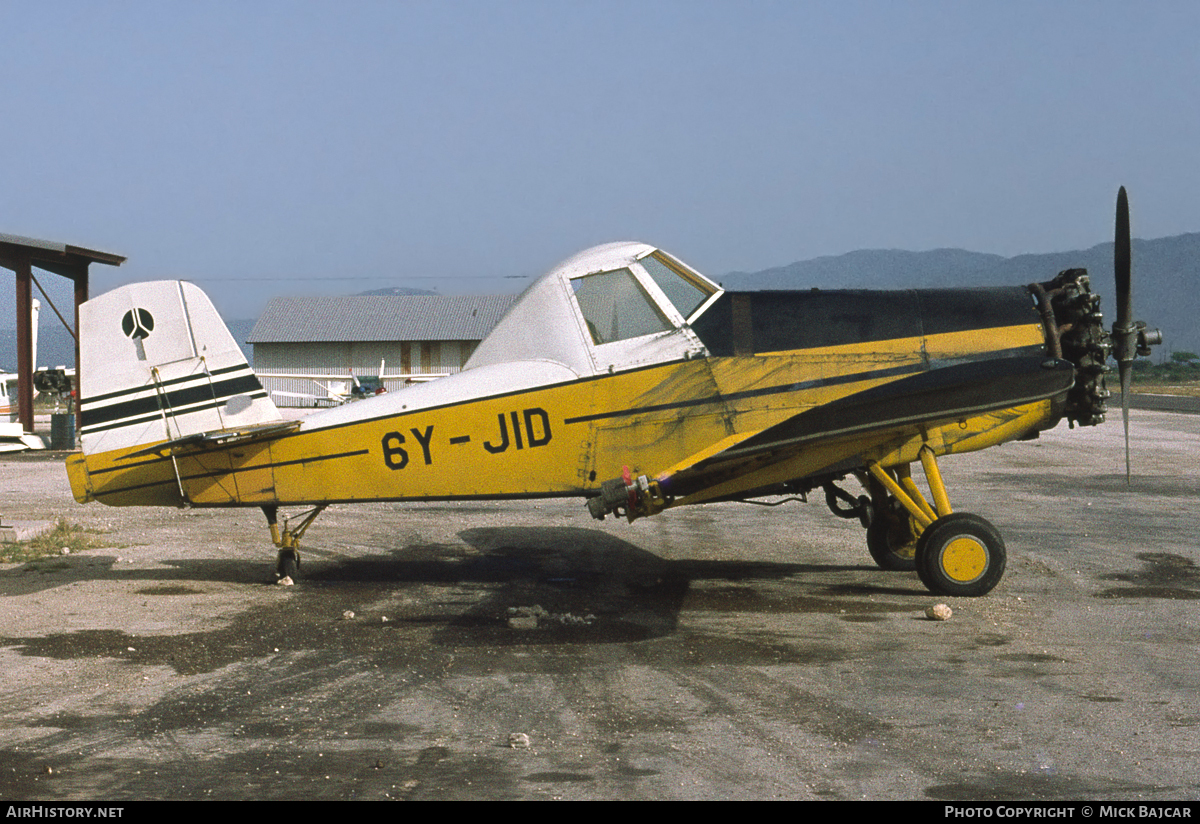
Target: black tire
[(891, 542), (960, 555), (288, 565)]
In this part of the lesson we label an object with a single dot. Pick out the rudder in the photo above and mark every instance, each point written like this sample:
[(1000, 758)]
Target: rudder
[(157, 363)]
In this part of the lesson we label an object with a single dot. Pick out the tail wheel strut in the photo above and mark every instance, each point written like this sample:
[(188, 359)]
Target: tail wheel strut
[(287, 564)]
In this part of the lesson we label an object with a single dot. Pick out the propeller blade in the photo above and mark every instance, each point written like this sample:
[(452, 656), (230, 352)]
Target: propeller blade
[(1122, 262), (1126, 373)]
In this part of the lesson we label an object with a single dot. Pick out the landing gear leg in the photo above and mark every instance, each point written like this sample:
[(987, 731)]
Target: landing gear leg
[(956, 554), (287, 564)]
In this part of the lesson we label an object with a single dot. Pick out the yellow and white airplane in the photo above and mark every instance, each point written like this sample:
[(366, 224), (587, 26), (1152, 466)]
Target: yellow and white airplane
[(626, 378)]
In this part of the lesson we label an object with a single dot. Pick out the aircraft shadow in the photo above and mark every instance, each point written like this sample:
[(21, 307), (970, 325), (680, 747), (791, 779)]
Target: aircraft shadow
[(513, 585), (574, 585)]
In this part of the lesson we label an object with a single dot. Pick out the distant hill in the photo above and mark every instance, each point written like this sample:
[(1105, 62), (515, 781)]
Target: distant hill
[(1166, 277), (389, 291)]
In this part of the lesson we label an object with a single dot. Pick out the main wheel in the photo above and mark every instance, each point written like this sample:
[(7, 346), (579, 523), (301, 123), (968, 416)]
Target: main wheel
[(960, 555), (891, 542), (288, 564)]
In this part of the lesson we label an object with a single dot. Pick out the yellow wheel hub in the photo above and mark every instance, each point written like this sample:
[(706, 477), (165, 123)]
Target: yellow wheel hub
[(964, 559)]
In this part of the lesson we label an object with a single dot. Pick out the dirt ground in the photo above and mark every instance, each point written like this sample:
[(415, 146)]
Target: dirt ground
[(724, 651)]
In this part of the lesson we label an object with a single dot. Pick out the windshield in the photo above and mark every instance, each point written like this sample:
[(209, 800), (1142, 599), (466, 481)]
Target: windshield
[(686, 290), (616, 308)]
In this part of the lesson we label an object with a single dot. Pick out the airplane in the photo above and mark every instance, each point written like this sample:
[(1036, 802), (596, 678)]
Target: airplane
[(338, 392), (626, 378), (13, 437), (55, 383)]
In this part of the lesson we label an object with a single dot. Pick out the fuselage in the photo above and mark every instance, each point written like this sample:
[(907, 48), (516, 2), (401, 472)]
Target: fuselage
[(775, 365)]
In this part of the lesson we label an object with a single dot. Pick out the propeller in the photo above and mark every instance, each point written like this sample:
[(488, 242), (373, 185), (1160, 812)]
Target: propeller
[(1130, 338), (1124, 334)]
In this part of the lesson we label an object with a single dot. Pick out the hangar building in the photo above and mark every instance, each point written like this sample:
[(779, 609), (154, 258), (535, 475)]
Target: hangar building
[(298, 341)]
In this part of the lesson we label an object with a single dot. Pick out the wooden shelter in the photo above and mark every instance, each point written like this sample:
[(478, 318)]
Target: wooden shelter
[(22, 255)]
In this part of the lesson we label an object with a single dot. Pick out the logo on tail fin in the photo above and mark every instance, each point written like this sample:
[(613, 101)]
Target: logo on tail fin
[(137, 324)]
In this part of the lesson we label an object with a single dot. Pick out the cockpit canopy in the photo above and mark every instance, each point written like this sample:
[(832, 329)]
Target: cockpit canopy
[(612, 307)]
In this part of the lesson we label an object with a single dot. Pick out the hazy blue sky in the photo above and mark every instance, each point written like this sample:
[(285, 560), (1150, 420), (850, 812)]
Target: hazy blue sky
[(260, 148)]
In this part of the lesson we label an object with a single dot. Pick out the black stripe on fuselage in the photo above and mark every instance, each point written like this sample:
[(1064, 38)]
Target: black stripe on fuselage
[(965, 388), (215, 473), (958, 391)]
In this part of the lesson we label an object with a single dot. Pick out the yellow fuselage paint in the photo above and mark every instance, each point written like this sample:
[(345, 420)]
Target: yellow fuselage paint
[(566, 439)]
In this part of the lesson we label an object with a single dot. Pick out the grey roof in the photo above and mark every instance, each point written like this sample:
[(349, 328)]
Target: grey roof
[(379, 318)]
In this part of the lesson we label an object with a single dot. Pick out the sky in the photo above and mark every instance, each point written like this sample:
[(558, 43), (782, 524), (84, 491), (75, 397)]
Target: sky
[(284, 148)]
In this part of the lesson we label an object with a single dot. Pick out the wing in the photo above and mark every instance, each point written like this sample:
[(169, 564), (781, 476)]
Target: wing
[(835, 437)]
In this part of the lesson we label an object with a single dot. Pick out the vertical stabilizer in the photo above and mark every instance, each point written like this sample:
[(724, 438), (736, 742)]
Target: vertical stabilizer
[(157, 363)]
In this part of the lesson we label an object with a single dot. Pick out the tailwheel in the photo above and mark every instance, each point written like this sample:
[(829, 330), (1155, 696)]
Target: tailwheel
[(960, 554), (288, 564)]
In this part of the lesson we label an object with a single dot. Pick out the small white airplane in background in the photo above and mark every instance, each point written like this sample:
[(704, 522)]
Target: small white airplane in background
[(337, 391), (13, 437)]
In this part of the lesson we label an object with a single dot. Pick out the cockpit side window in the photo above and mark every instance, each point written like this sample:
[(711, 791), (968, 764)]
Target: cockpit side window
[(616, 307), (684, 289)]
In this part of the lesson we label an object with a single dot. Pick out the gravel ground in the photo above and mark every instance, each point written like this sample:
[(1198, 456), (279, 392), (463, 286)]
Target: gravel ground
[(723, 651)]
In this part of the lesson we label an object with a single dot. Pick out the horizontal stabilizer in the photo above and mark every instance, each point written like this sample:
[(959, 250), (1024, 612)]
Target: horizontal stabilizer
[(220, 437)]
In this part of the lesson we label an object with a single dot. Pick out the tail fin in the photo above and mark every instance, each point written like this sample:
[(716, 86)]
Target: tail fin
[(157, 363)]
